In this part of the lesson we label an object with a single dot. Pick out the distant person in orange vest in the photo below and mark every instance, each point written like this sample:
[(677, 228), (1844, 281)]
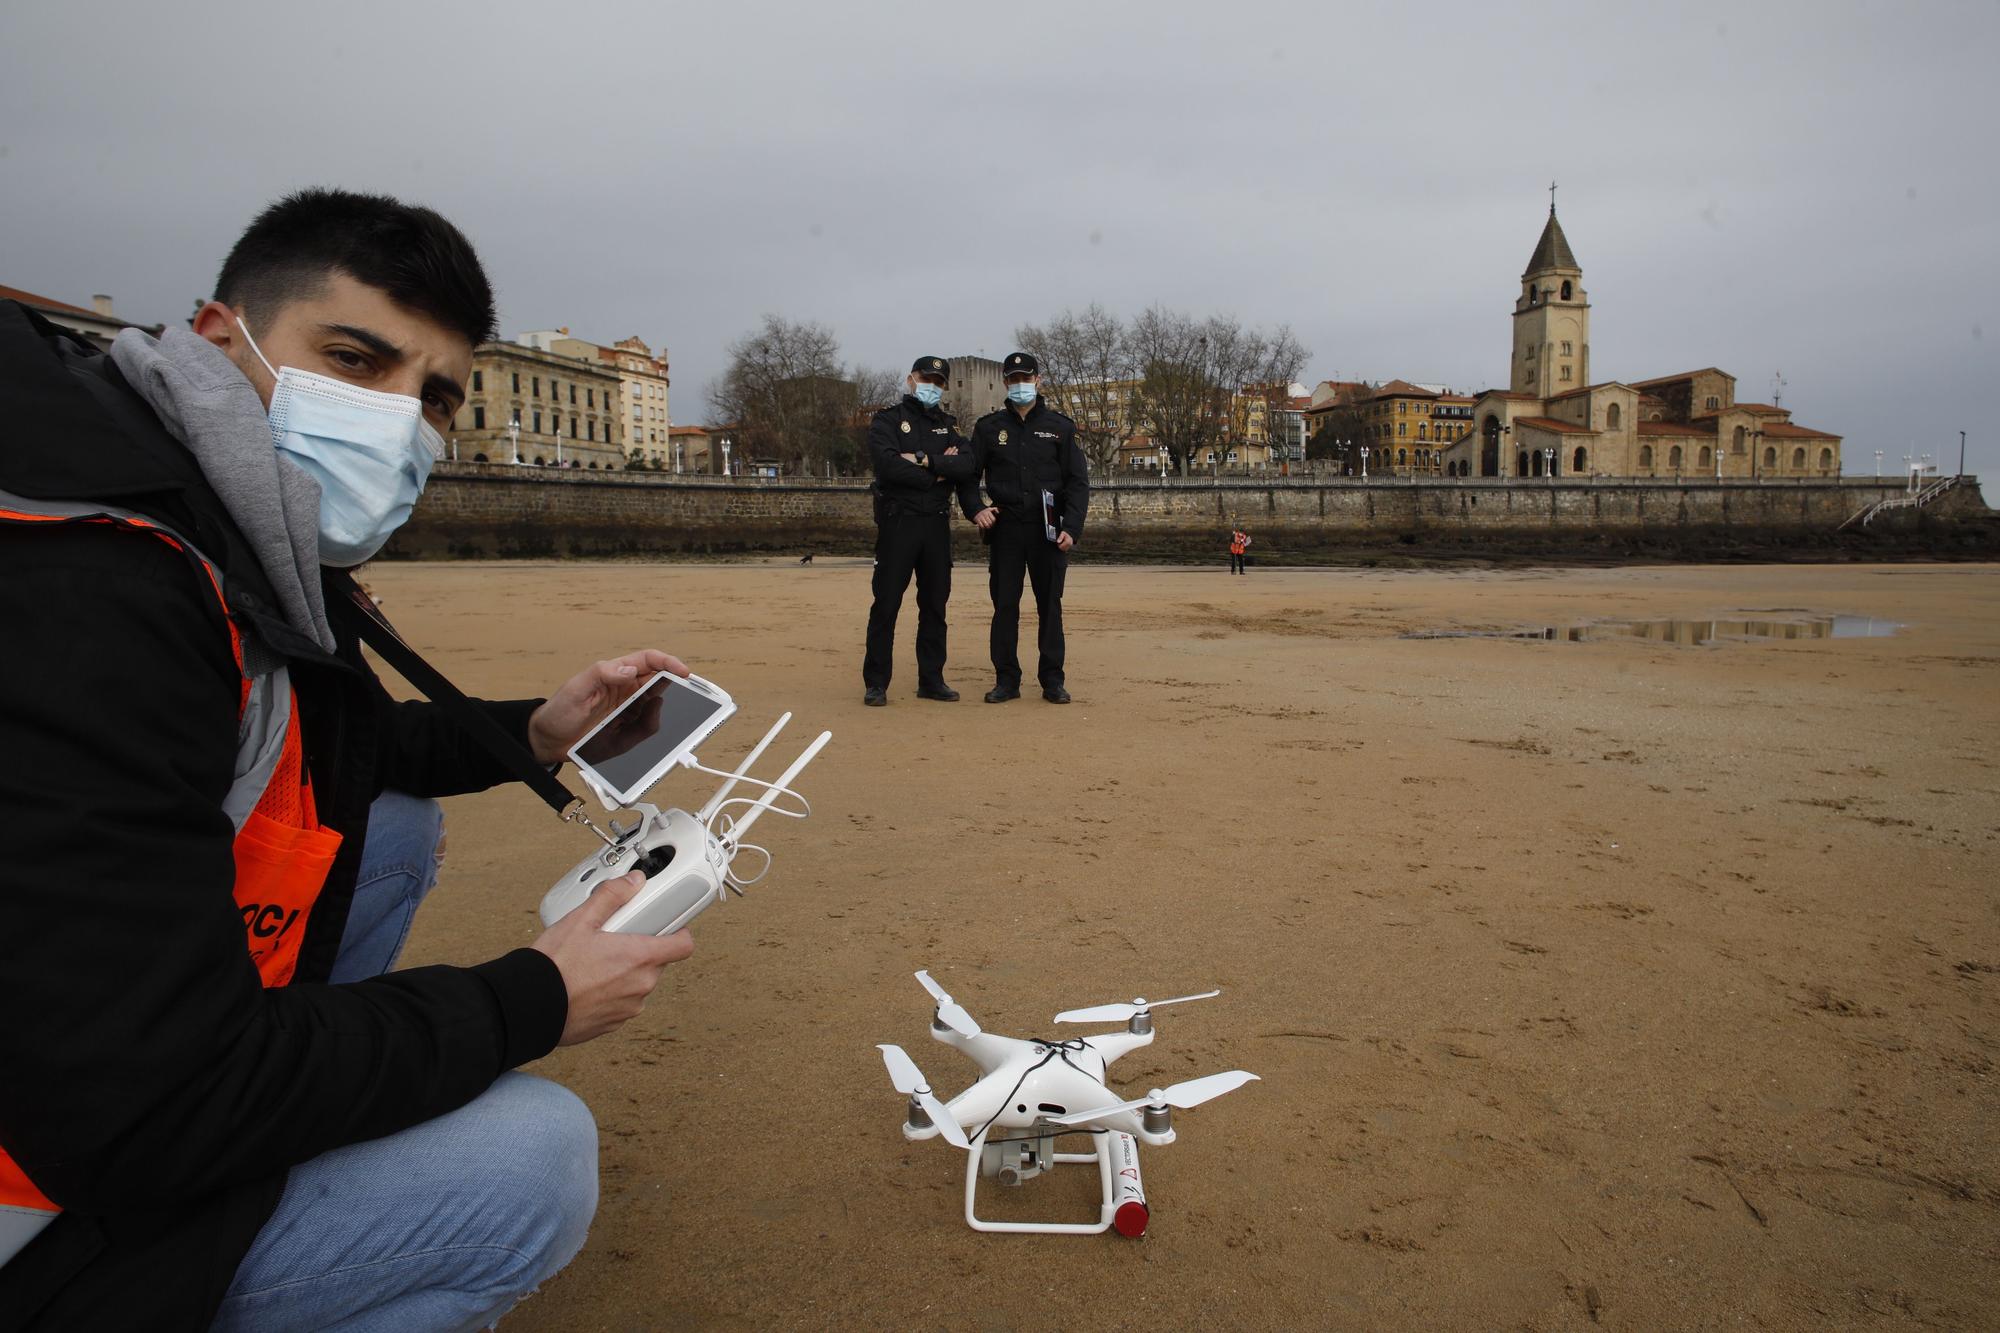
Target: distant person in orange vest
[(1239, 545)]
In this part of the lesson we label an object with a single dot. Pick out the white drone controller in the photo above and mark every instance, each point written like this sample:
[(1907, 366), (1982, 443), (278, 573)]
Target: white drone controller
[(685, 858)]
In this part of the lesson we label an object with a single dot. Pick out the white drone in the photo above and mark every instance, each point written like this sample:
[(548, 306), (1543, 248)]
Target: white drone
[(1032, 1092)]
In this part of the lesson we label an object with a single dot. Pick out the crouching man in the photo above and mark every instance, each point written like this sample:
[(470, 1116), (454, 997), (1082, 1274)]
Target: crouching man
[(219, 1105)]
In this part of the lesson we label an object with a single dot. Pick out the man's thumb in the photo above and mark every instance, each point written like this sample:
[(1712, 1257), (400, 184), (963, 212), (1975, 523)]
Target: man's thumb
[(607, 898)]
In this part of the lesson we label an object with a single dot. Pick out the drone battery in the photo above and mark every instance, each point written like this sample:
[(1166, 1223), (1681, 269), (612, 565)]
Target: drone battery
[(1128, 1192)]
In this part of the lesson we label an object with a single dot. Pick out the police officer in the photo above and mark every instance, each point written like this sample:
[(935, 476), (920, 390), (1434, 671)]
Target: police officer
[(919, 461), (1024, 452)]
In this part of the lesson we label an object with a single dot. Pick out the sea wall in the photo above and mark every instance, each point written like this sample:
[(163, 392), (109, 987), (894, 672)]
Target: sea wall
[(473, 510)]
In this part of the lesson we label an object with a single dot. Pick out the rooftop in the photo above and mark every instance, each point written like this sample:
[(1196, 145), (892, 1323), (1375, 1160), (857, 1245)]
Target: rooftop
[(1552, 251)]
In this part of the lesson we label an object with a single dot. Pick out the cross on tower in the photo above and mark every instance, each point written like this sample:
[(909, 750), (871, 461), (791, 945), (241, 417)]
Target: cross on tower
[(1552, 198)]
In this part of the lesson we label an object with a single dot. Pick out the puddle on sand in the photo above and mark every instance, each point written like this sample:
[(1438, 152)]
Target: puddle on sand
[(1692, 633)]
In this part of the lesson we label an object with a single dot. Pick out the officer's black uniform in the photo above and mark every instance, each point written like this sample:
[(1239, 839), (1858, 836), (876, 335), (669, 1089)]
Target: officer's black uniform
[(913, 529), (1019, 458)]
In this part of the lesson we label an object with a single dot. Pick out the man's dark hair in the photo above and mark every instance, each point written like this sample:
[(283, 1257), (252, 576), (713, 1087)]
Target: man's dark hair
[(423, 262)]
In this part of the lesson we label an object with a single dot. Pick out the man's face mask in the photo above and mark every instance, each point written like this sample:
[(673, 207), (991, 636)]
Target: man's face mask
[(930, 395), (1022, 393), (370, 452)]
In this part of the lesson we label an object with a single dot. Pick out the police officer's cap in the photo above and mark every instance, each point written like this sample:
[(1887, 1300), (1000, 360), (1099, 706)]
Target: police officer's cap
[(1020, 363), (931, 365)]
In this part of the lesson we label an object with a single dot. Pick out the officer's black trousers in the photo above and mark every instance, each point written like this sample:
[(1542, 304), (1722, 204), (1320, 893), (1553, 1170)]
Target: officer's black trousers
[(1020, 548), (907, 543)]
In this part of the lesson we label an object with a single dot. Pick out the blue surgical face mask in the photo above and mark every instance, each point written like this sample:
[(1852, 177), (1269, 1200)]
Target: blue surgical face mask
[(930, 395), (370, 452), (1023, 393)]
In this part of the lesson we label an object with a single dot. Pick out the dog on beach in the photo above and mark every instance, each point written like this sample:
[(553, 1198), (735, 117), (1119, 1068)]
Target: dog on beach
[(806, 559)]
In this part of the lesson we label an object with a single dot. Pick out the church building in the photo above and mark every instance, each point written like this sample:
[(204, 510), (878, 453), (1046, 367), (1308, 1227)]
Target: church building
[(1552, 420)]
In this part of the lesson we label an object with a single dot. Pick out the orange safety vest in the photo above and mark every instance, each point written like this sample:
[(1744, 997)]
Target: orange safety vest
[(1238, 543), (283, 854)]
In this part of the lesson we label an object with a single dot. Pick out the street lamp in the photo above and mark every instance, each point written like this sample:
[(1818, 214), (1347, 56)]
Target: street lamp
[(725, 459), (1364, 462), (1961, 453), (1878, 464), (1549, 463), (514, 434)]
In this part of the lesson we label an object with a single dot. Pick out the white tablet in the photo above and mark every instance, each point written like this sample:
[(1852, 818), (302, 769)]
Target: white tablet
[(625, 754)]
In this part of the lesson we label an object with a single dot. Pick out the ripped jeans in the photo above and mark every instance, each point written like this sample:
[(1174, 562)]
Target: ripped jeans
[(449, 1223)]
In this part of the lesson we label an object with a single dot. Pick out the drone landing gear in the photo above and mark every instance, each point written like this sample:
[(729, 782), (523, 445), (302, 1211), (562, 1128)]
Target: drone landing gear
[(1116, 1156)]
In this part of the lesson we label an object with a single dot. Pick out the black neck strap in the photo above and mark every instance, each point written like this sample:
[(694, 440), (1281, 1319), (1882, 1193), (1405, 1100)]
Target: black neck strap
[(378, 634)]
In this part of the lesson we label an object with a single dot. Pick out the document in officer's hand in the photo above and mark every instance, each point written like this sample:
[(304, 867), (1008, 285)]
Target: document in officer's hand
[(1051, 516)]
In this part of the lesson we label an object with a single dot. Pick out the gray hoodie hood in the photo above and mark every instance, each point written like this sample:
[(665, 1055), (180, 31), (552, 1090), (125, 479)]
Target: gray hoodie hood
[(208, 405)]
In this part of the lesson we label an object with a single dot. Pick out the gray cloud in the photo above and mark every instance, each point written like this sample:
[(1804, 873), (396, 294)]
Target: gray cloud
[(1795, 187)]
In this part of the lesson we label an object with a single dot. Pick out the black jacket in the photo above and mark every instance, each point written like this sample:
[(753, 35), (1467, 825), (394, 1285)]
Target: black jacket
[(151, 1085), (1019, 458), (903, 487)]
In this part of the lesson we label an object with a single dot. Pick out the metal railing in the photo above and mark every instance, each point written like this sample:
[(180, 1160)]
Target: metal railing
[(1913, 500)]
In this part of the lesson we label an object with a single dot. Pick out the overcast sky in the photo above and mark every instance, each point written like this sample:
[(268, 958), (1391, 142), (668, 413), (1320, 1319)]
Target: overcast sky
[(1808, 188)]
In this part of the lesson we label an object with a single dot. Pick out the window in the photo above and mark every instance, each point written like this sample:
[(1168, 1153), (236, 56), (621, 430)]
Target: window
[(1565, 289), (538, 423), (478, 415), (1646, 455), (1674, 458), (572, 395), (1568, 348), (572, 428), (1826, 460), (1565, 373), (589, 397), (1712, 402), (1770, 457), (1402, 409), (478, 379), (1402, 457), (517, 381), (1611, 417), (1706, 459), (1736, 441), (1799, 459), (1402, 428), (538, 386), (591, 430), (1581, 461)]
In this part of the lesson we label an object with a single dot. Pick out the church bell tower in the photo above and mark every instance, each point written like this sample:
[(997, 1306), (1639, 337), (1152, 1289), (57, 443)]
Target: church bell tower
[(1551, 319)]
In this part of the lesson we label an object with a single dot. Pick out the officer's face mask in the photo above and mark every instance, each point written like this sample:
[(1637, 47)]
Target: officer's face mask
[(930, 395), (1023, 393), (370, 452)]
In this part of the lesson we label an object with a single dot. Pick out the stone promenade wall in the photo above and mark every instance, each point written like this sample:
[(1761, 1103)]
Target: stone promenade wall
[(485, 510)]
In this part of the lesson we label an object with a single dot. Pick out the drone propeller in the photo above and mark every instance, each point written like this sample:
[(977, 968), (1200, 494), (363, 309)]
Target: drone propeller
[(1183, 1095), (1118, 1013), (909, 1080), (951, 1015)]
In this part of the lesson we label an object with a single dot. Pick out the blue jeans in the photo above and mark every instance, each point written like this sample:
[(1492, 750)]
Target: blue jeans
[(449, 1223)]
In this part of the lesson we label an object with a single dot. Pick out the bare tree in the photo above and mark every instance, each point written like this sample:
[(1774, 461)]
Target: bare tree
[(1087, 367), (787, 390), (1203, 379)]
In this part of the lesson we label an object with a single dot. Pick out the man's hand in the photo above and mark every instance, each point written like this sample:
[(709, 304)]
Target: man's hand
[(986, 518), (608, 976), (588, 696), (1064, 541), (907, 458), (951, 452)]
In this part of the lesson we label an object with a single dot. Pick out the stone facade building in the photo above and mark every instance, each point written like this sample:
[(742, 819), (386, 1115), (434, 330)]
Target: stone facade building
[(1551, 420), (975, 390), (568, 409)]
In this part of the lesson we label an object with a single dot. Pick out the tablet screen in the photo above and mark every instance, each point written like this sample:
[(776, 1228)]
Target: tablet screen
[(653, 724)]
